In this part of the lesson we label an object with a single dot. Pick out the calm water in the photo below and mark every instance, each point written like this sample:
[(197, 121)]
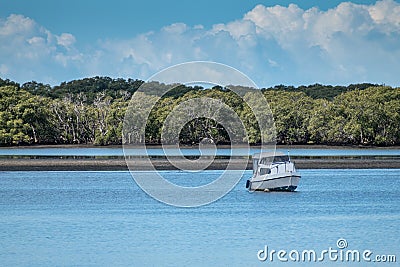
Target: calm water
[(103, 218), (102, 151)]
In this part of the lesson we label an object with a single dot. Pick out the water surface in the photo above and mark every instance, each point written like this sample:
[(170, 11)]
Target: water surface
[(103, 218)]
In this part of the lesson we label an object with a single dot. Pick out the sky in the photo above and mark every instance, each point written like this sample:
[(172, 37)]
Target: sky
[(272, 42)]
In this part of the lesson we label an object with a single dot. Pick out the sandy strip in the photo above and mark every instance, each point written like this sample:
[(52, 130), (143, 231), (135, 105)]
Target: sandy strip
[(89, 164)]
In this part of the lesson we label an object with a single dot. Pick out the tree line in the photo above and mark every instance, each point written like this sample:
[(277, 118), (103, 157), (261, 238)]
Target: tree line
[(92, 110)]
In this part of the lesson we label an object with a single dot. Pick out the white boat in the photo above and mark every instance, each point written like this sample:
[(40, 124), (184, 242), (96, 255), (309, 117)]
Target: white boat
[(273, 172)]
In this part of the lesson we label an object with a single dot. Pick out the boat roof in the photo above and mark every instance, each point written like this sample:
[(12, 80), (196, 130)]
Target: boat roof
[(268, 154)]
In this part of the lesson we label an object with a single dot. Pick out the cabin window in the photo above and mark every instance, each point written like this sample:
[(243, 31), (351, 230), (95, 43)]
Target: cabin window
[(281, 159), (264, 171), (266, 160)]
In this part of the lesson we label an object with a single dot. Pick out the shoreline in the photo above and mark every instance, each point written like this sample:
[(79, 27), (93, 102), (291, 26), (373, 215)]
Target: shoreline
[(92, 164)]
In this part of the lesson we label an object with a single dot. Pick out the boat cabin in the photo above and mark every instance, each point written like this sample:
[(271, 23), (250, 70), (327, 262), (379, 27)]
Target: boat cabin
[(270, 163)]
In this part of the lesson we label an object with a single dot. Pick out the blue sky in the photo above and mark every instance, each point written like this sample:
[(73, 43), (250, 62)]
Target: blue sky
[(298, 42)]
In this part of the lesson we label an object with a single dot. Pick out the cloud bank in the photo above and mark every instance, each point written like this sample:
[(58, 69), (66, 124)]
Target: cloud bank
[(350, 43)]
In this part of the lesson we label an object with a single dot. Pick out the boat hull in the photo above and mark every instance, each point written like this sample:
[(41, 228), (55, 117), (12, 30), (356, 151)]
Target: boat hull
[(274, 183)]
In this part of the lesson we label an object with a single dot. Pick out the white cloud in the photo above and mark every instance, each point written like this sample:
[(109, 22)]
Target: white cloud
[(28, 51), (280, 23), (272, 63), (176, 28), (16, 24), (273, 45), (198, 27), (386, 13), (349, 43), (237, 29), (66, 40)]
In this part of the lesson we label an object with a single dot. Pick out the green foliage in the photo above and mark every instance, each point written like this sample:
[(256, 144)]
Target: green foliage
[(92, 111), (23, 117), (8, 82), (317, 91), (115, 88), (291, 114)]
